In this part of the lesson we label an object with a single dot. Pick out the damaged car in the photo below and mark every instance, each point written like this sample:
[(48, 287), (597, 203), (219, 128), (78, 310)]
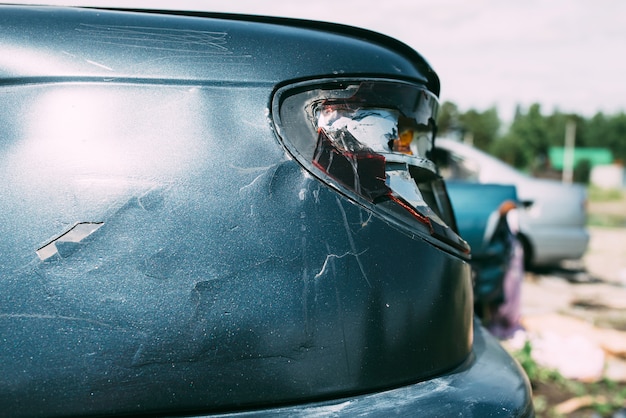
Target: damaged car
[(208, 214)]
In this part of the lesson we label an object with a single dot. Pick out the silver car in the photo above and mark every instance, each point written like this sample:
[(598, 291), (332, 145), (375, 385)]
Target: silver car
[(552, 224)]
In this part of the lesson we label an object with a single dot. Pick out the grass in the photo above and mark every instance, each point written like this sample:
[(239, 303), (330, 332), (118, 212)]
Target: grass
[(597, 194), (555, 396), (606, 220), (606, 208)]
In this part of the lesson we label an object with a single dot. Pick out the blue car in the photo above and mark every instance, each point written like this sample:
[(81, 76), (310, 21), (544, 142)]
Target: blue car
[(486, 216), (209, 214)]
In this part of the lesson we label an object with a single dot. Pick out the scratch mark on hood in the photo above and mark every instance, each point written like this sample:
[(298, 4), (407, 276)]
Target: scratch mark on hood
[(97, 64), (242, 189), (251, 169), (365, 222), (164, 39), (351, 240), (334, 256), (54, 317)]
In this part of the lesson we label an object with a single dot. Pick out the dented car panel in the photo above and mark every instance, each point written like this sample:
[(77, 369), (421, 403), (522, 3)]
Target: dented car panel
[(164, 247)]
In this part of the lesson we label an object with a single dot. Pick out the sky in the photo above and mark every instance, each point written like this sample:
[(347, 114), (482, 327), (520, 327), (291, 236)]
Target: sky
[(566, 55)]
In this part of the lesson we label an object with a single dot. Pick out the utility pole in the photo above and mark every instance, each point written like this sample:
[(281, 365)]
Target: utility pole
[(568, 153)]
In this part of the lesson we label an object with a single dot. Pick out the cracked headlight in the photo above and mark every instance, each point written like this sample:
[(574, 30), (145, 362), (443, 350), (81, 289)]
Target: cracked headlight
[(370, 139)]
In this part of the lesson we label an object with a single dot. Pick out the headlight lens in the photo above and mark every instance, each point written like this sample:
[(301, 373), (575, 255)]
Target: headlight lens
[(373, 138)]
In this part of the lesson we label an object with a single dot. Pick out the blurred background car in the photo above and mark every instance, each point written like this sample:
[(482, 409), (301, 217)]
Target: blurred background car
[(487, 217), (210, 214), (553, 217), (481, 220)]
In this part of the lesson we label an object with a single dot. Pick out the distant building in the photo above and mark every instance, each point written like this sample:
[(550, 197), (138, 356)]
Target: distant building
[(603, 172), (608, 176), (595, 156)]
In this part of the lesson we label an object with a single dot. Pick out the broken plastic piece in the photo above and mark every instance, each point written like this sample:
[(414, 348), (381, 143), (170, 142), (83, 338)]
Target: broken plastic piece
[(65, 244)]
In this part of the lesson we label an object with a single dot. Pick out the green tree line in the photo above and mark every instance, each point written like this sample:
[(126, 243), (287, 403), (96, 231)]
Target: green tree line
[(526, 141)]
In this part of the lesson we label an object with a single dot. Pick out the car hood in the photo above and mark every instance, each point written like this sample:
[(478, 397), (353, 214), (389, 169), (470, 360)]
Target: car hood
[(139, 46)]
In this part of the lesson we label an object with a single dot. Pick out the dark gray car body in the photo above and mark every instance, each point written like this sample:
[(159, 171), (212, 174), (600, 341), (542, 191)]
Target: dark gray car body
[(163, 253)]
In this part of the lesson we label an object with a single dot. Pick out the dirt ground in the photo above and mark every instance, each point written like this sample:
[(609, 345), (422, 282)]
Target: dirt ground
[(575, 319)]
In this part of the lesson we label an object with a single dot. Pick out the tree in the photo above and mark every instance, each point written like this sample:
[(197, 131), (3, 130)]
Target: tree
[(510, 151), (616, 138), (526, 143), (595, 131), (528, 135), (448, 120), (483, 126), (608, 131), (555, 129)]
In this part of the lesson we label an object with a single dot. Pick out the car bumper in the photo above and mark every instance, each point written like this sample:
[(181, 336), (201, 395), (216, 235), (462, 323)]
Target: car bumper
[(489, 383)]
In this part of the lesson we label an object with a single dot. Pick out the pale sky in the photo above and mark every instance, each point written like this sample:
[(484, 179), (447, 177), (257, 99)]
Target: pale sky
[(565, 54)]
